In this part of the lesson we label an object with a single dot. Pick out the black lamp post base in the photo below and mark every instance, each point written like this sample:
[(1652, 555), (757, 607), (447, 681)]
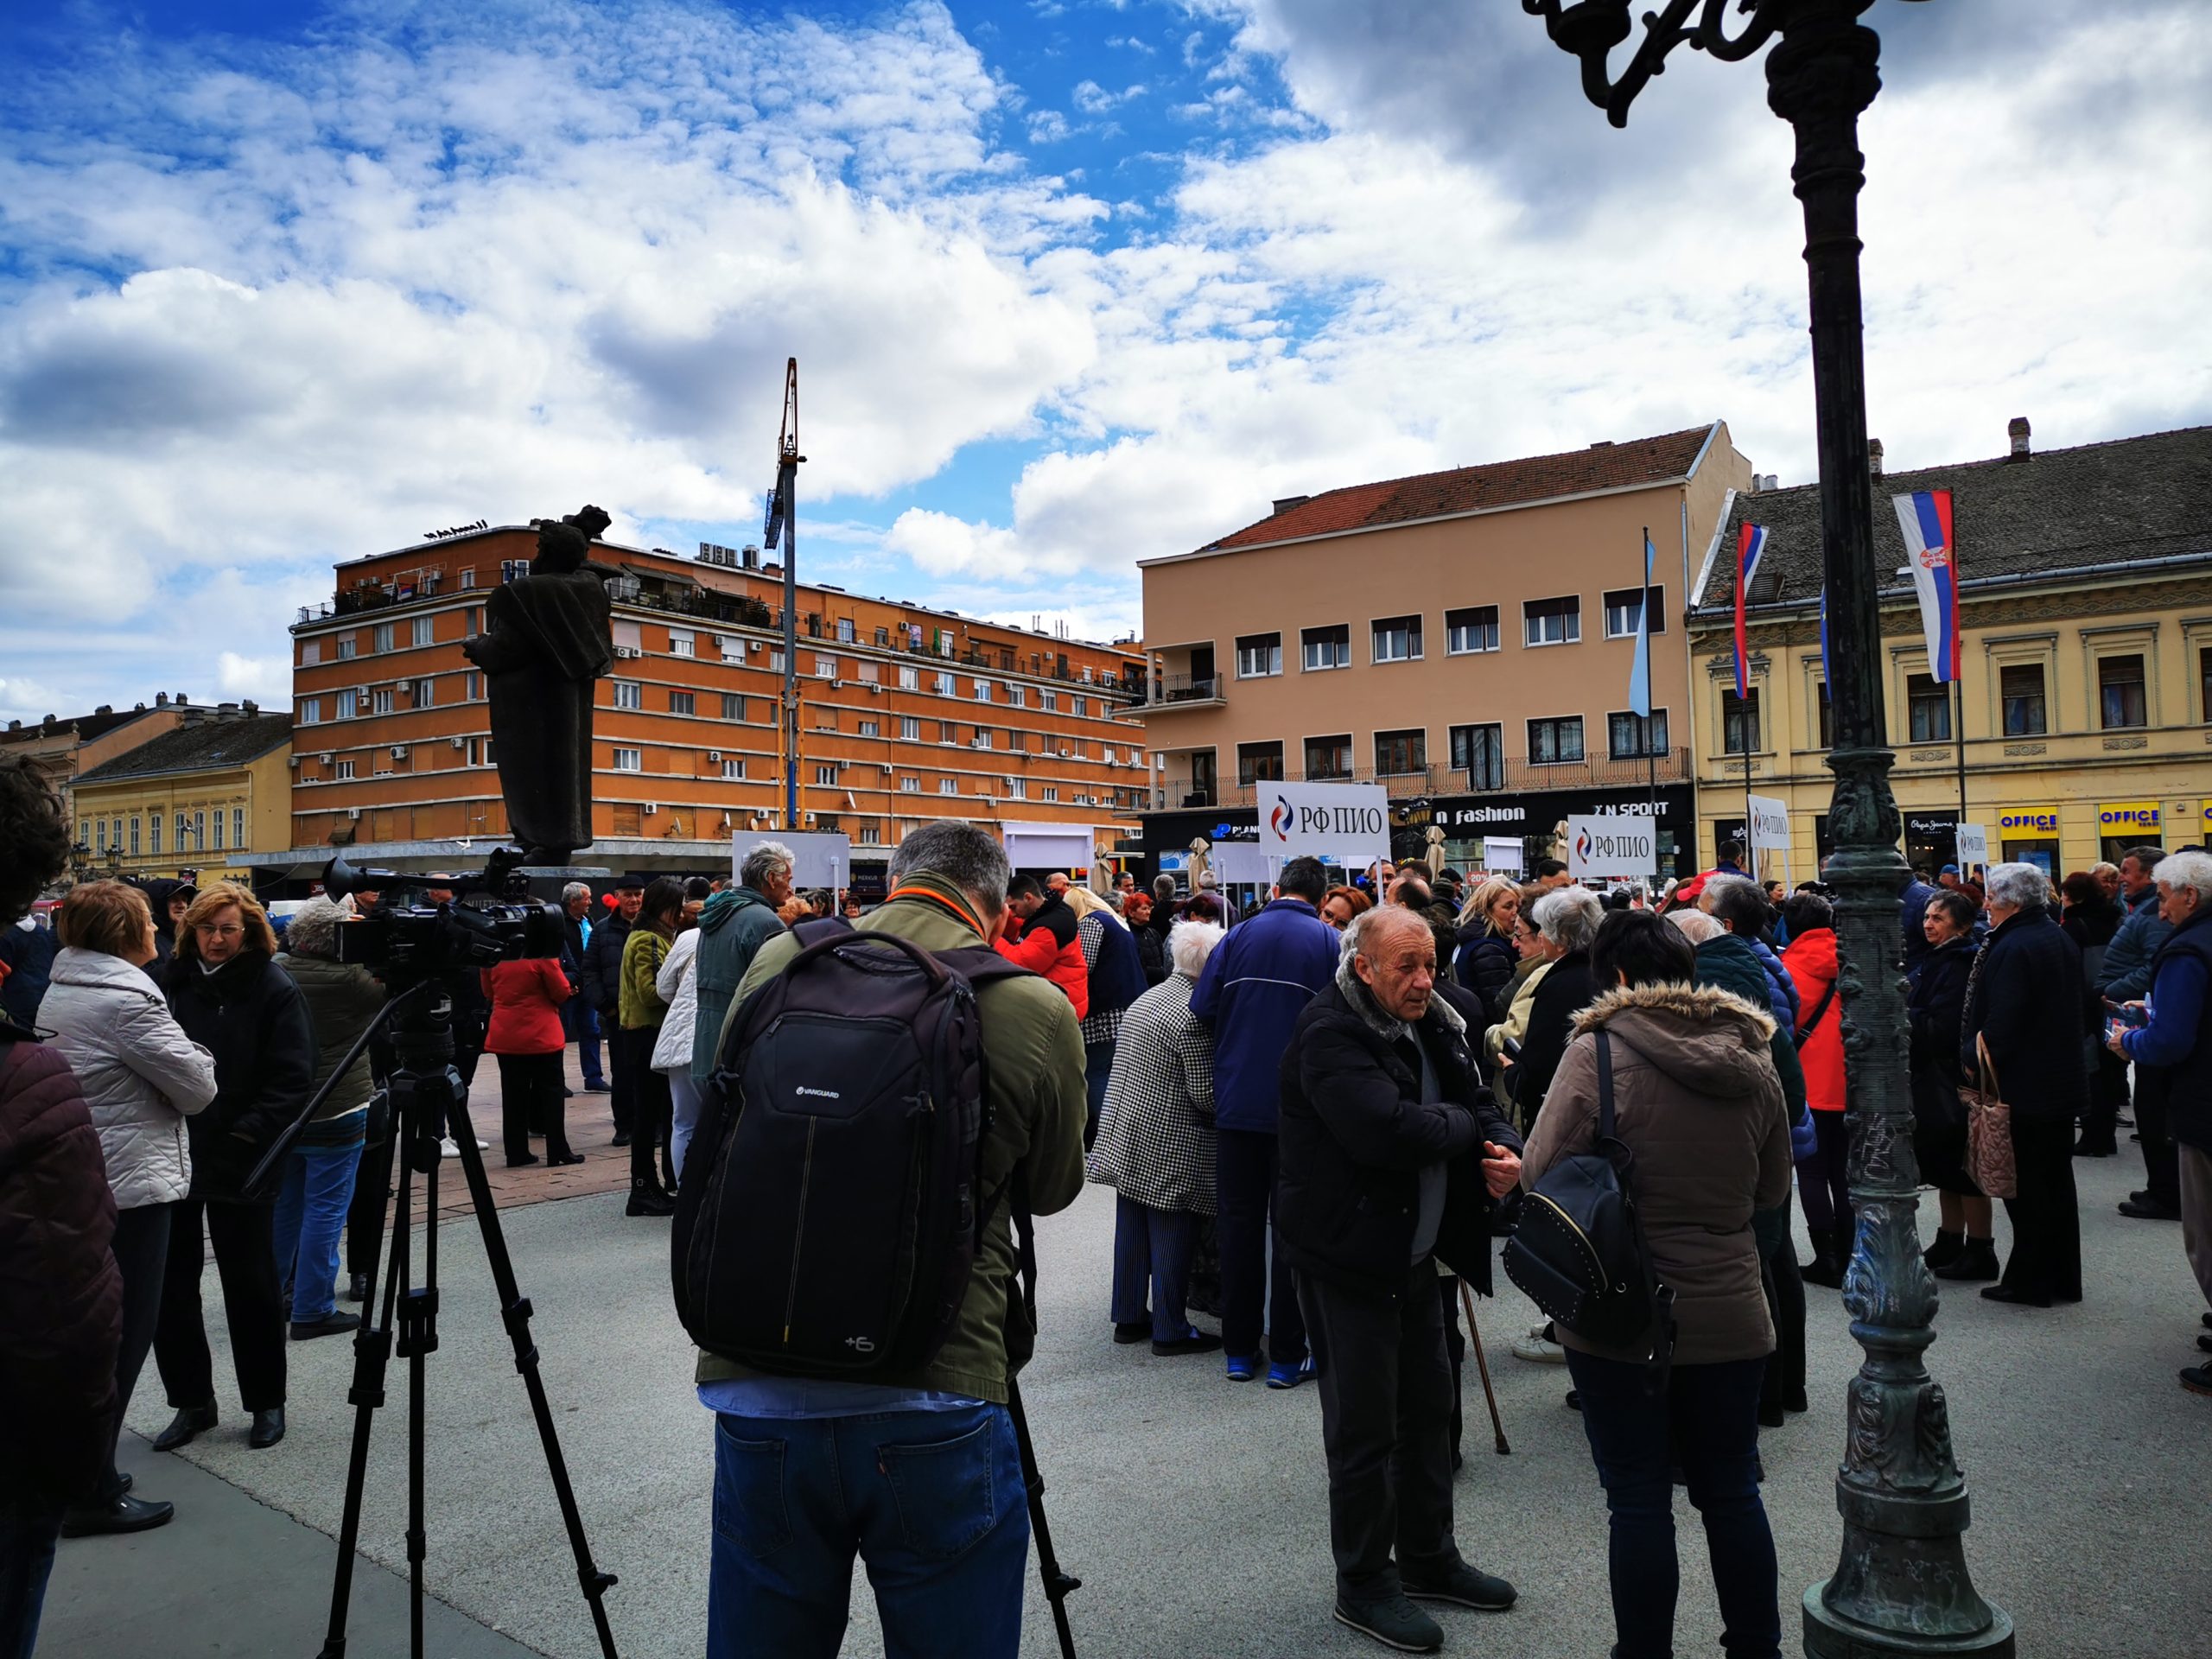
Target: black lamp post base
[(1829, 1635)]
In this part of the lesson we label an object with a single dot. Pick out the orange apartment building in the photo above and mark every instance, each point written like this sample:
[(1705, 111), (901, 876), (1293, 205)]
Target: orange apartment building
[(906, 714)]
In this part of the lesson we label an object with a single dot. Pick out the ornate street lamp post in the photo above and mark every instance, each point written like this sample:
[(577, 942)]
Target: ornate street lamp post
[(1901, 1586)]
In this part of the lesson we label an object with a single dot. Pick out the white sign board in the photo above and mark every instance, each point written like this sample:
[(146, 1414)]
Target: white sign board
[(1612, 845), (1769, 831), (1347, 821), (825, 861), (1239, 861), (1501, 854), (1973, 845)]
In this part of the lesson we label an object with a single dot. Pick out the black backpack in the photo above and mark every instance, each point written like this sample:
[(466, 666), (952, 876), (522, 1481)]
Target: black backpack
[(1578, 1251), (830, 1207)]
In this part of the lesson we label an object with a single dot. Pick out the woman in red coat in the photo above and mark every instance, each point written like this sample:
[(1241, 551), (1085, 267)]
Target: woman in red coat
[(525, 1033), (1824, 1187)]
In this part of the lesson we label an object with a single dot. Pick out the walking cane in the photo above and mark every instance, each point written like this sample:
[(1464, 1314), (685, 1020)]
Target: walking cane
[(1475, 1336)]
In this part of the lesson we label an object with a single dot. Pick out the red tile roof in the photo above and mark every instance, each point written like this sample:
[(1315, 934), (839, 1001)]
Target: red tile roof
[(1470, 489)]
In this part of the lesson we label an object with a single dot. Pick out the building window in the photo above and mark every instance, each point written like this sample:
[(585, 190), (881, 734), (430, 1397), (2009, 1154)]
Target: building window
[(1927, 706), (2120, 692), (682, 703), (219, 831), (883, 636), (1633, 736), (945, 685), (154, 834), (100, 837), (424, 631), (1555, 741), (1479, 751), (826, 775), (982, 691), (1397, 639), (1625, 608), (2020, 685), (1552, 621), (871, 835), (1739, 723), (381, 701), (776, 659), (682, 643), (1016, 789), (909, 784), (238, 829), (1259, 763), (733, 706), (871, 728), (1049, 701), (825, 668), (345, 647), (310, 652), (383, 637), (1258, 656), (1078, 706), (1325, 647), (1050, 791), (472, 687), (910, 679), (628, 694), (468, 576), (629, 759), (424, 692), (1821, 716), (948, 786), (345, 770), (310, 711), (1399, 752), (1328, 756), (734, 767), (2204, 681), (1471, 629), (845, 630)]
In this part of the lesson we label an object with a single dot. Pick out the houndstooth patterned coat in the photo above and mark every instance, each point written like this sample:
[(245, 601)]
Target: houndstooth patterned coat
[(1155, 1135)]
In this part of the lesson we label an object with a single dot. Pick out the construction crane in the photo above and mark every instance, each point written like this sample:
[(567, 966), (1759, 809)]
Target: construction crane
[(782, 525)]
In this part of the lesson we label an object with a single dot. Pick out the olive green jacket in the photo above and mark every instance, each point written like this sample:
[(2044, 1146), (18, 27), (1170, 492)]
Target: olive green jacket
[(1033, 1054), (640, 1003)]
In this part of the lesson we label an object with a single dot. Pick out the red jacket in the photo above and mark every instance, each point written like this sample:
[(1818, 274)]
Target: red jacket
[(1810, 958), (1048, 944), (60, 1296), (526, 998)]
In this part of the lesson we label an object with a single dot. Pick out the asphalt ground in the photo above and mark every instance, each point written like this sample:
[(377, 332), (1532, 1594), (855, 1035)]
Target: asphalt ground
[(1193, 1509)]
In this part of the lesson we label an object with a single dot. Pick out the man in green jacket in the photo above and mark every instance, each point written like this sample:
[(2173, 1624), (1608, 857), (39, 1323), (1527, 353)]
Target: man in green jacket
[(735, 924), (930, 1484)]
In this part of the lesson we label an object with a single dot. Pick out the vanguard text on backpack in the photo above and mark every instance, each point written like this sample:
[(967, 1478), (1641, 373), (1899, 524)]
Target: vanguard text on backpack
[(1578, 1250), (830, 1207)]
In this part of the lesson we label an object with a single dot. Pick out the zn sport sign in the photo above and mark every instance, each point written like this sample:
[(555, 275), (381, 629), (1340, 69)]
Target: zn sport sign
[(1612, 845), (1347, 823)]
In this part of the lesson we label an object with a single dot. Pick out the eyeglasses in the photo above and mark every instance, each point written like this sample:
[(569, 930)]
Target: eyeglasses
[(217, 929)]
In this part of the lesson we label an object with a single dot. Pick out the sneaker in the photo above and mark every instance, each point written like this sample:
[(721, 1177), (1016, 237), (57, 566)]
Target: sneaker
[(648, 1200), (1459, 1583), (1242, 1368), (1132, 1331), (2197, 1379), (1539, 1349), (2146, 1208), (1289, 1377), (1193, 1341), (449, 1148), (333, 1324), (594, 1086), (1394, 1621)]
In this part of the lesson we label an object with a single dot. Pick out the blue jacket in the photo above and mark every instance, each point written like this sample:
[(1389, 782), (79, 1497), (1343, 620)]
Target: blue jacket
[(2126, 973), (1783, 993), (1254, 985), (1914, 900), (2179, 1037), (28, 950)]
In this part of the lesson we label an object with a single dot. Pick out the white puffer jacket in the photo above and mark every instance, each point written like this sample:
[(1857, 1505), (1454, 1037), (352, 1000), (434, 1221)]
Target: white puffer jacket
[(678, 985), (142, 1075)]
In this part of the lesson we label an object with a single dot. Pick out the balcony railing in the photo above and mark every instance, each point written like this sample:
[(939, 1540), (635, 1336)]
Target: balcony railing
[(1515, 775), (1171, 688)]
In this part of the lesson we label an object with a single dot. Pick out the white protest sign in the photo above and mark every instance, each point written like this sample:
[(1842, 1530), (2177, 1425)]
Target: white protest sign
[(1350, 822), (1973, 845), (1235, 861), (825, 861), (1769, 825), (1612, 845), (1501, 854)]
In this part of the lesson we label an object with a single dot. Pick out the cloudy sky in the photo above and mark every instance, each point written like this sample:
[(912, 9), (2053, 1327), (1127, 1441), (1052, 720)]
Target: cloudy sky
[(1071, 282)]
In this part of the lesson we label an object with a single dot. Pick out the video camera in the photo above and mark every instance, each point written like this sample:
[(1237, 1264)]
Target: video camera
[(417, 942)]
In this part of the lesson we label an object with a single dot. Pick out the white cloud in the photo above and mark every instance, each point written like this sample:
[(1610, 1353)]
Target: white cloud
[(1048, 127), (267, 679)]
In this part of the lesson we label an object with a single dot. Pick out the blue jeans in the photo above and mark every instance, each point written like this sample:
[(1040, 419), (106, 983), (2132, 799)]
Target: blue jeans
[(1706, 1423), (28, 1531), (579, 1022), (310, 1214), (1154, 1247), (1097, 1067), (932, 1501)]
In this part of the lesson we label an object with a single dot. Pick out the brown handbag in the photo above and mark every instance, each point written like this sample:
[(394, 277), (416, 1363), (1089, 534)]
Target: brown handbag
[(1989, 1130)]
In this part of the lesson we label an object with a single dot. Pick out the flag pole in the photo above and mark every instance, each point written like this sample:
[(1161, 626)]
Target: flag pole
[(1650, 754)]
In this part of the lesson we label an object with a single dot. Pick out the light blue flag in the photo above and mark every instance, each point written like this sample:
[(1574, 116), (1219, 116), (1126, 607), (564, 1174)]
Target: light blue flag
[(1639, 676)]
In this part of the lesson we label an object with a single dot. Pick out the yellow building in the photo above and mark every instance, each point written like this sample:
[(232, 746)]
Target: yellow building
[(2086, 633), (193, 798)]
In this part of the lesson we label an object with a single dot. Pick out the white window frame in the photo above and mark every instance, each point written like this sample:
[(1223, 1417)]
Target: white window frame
[(1536, 620), (628, 694), (423, 631), (1262, 662), (682, 642), (1452, 635), (629, 759), (1413, 635)]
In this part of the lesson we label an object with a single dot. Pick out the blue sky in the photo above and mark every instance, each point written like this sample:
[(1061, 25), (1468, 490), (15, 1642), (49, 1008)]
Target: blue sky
[(1071, 282)]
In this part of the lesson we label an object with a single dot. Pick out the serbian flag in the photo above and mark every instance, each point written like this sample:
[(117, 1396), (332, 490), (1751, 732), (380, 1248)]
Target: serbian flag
[(1932, 555), (1750, 546)]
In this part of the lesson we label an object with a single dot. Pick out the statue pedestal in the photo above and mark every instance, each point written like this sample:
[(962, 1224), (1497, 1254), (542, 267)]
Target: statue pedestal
[(562, 872)]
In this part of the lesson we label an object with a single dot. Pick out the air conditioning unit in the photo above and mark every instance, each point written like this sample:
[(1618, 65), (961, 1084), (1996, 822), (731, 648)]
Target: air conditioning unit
[(753, 645), (296, 759), (625, 653), (361, 692), (325, 757), (873, 689), (399, 751), (353, 812), (652, 807), (1068, 755), (809, 817), (456, 743), (714, 757)]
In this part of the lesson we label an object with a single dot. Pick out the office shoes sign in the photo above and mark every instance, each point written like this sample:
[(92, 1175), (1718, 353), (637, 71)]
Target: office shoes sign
[(1612, 845), (1349, 822)]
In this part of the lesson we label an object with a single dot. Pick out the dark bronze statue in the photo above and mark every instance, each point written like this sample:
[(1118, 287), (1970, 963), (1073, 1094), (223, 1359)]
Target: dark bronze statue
[(546, 640)]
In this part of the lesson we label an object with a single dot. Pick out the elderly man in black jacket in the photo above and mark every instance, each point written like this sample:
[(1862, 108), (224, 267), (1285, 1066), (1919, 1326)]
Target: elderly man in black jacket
[(1392, 1158)]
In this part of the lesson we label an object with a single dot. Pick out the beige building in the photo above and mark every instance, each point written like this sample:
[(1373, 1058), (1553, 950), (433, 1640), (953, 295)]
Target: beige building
[(1464, 639), (65, 747), (2085, 626), (200, 798)]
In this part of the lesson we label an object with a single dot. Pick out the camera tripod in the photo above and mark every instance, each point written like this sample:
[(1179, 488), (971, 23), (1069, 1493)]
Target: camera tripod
[(427, 1101)]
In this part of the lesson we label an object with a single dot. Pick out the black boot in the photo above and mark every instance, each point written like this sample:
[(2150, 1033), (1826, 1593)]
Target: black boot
[(189, 1420), (1978, 1261), (646, 1199), (1944, 1251), (356, 1288), (1825, 1268), (268, 1428)]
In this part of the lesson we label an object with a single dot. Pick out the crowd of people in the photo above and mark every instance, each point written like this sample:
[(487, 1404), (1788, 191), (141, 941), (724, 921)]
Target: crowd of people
[(1318, 1116)]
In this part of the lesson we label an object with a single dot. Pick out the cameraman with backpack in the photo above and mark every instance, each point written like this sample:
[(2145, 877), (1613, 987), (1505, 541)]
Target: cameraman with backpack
[(917, 1469)]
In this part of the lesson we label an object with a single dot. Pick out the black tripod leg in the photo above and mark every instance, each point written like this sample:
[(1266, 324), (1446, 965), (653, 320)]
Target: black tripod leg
[(514, 1312), (371, 1352), (1058, 1585)]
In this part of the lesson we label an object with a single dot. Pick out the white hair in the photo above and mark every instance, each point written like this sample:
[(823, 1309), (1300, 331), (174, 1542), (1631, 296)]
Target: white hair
[(2016, 886), (764, 863), (1189, 943), (1697, 927), (575, 890), (1568, 917), (1364, 938), (313, 929), (2192, 870)]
